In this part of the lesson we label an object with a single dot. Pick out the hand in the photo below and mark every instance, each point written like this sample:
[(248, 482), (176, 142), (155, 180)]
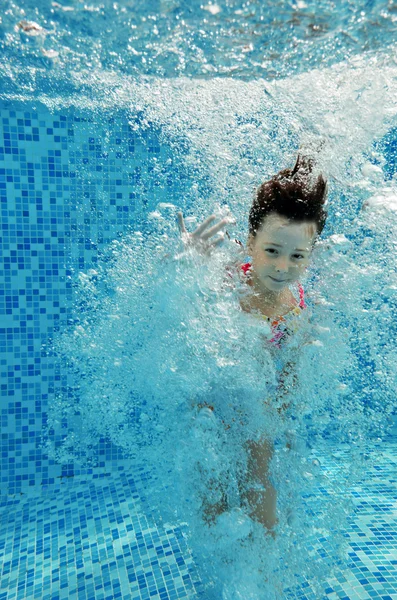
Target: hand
[(199, 239)]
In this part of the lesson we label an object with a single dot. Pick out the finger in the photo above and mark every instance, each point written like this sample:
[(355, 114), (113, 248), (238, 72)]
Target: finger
[(218, 241), (214, 229), (181, 223), (203, 226)]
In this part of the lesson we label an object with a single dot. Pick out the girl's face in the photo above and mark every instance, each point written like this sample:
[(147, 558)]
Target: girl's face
[(281, 251)]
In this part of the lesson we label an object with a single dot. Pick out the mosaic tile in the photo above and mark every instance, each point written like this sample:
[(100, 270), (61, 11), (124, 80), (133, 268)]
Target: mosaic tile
[(69, 185)]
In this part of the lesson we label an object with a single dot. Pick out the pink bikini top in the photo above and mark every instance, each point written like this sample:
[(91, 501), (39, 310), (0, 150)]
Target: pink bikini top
[(287, 324)]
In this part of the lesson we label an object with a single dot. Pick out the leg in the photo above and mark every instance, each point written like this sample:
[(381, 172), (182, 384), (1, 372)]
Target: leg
[(262, 502), (211, 510), (212, 495), (214, 502)]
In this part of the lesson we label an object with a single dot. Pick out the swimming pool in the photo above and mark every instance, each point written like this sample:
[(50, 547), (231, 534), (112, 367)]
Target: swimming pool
[(112, 115)]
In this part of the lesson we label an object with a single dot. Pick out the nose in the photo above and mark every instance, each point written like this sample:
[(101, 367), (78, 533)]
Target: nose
[(282, 265)]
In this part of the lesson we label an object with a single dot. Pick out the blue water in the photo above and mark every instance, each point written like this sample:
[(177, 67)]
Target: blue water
[(113, 117)]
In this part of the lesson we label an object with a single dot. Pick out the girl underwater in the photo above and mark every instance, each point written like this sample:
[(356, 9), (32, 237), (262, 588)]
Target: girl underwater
[(287, 215)]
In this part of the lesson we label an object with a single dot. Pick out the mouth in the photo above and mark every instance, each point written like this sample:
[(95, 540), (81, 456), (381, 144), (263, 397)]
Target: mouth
[(278, 280)]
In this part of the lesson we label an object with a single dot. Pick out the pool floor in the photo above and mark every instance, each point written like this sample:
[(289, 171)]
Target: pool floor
[(95, 538)]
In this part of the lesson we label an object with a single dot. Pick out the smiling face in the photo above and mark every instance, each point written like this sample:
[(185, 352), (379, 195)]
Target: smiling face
[(280, 251)]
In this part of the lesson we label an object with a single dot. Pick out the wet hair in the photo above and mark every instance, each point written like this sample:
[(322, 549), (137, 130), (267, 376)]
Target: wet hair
[(296, 194)]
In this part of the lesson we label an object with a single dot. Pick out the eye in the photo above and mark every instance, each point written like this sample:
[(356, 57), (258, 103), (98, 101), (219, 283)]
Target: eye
[(271, 250), (298, 256)]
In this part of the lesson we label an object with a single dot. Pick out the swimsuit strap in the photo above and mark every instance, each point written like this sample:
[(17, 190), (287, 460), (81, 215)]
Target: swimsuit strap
[(302, 303)]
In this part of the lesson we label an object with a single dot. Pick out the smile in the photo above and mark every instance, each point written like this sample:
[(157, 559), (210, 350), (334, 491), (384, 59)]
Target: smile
[(278, 280)]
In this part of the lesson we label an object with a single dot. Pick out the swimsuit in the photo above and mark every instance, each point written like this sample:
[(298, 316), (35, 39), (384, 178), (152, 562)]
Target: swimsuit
[(281, 327)]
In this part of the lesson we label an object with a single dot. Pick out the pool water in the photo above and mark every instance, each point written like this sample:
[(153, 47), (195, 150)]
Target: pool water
[(114, 116)]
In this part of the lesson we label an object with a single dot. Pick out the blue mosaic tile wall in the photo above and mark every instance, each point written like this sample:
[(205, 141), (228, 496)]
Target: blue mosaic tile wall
[(70, 183)]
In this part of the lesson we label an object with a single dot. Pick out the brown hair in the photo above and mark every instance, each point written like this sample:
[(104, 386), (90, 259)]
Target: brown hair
[(294, 193)]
